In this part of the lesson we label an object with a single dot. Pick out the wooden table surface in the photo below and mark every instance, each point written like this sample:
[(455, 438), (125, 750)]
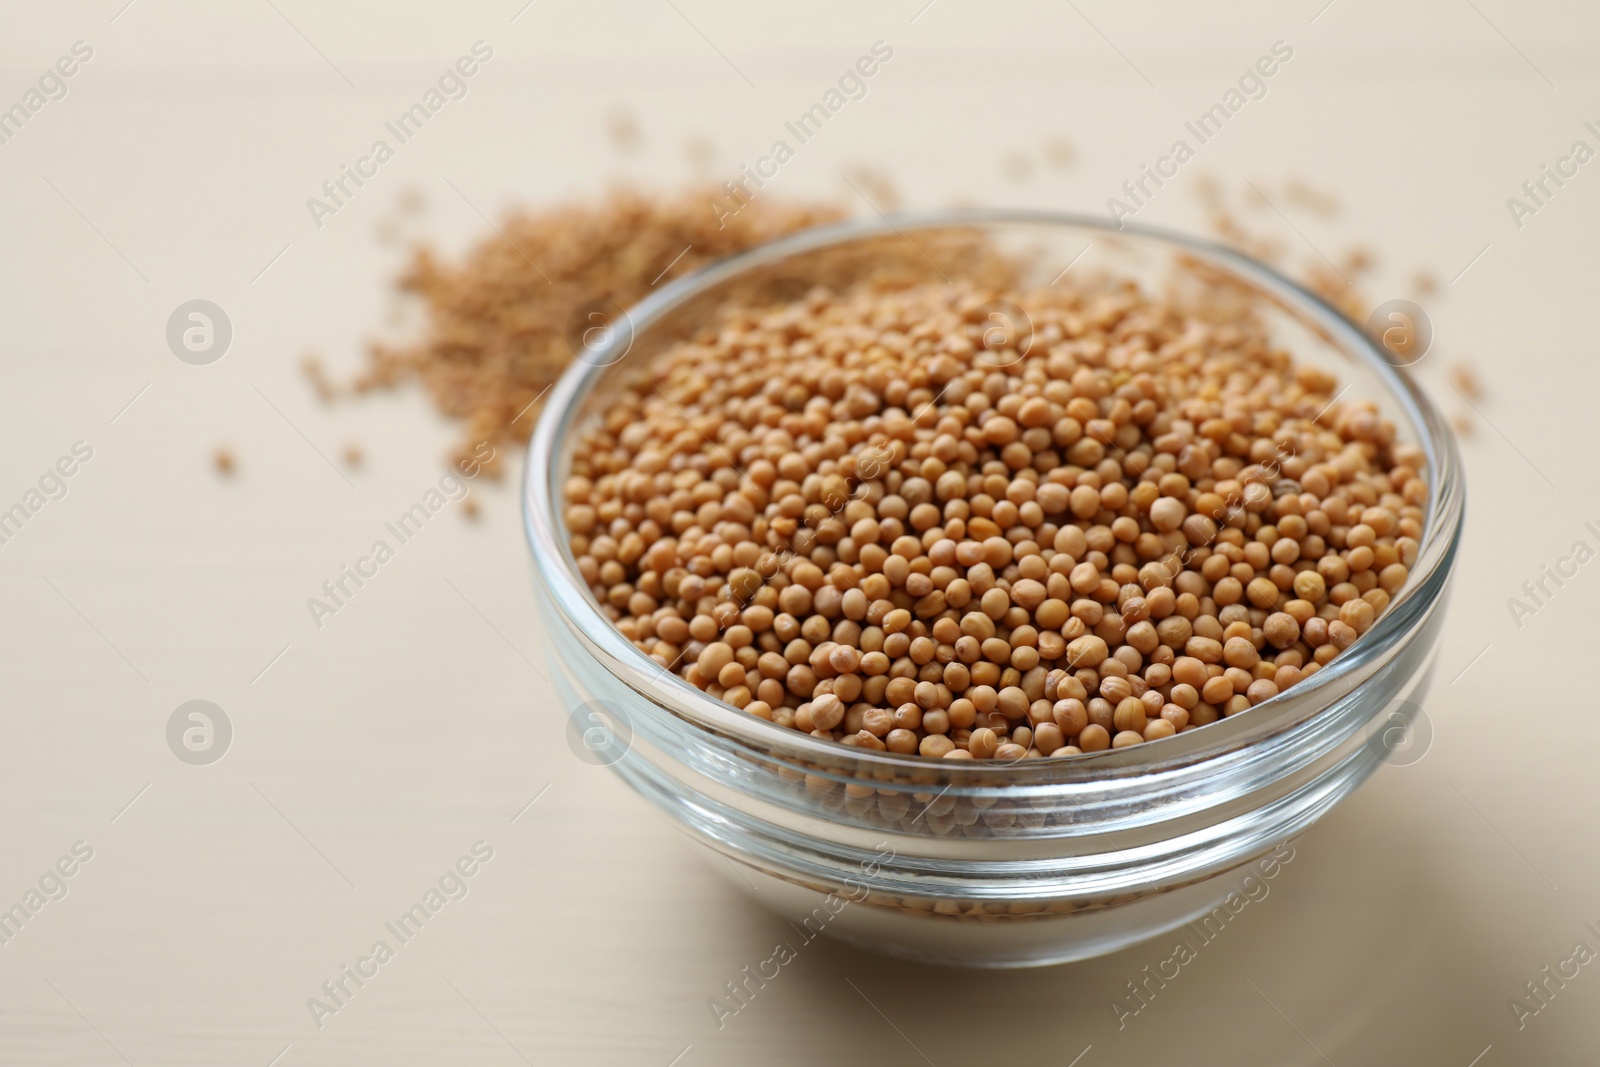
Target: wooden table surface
[(208, 904)]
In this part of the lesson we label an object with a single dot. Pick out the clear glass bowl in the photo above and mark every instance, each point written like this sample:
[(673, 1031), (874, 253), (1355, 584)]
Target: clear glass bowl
[(974, 863)]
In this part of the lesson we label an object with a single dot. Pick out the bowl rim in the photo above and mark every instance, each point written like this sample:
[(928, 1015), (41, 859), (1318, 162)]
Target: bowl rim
[(669, 693)]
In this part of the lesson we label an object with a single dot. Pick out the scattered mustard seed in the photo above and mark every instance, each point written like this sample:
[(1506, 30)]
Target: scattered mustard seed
[(1059, 153), (623, 129), (876, 184), (700, 153), (1017, 167), (1466, 379), (1313, 200), (317, 375), (498, 324)]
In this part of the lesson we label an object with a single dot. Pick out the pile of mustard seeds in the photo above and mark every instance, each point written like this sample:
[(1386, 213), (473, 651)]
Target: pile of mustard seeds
[(500, 324), (870, 516)]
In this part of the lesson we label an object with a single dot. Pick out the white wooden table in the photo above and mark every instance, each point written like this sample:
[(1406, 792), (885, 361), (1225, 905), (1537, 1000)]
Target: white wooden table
[(368, 755)]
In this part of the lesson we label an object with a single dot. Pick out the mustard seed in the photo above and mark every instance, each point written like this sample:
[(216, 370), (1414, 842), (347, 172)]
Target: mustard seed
[(1130, 714), (713, 658), (1281, 629), (1239, 652), (901, 741), (1157, 729), (1048, 738), (1094, 738), (827, 711), (500, 322), (835, 514), (1260, 690), (1216, 690), (983, 743)]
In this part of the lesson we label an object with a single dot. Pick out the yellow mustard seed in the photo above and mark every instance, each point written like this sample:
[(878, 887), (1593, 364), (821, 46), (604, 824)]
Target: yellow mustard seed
[(848, 516)]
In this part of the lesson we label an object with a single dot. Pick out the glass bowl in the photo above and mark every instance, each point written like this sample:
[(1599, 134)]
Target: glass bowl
[(974, 863)]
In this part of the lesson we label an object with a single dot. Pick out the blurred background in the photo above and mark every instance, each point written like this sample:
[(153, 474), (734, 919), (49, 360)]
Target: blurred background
[(355, 762)]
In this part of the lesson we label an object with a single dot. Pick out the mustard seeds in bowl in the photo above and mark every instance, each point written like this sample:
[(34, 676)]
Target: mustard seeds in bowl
[(778, 552), (900, 519)]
